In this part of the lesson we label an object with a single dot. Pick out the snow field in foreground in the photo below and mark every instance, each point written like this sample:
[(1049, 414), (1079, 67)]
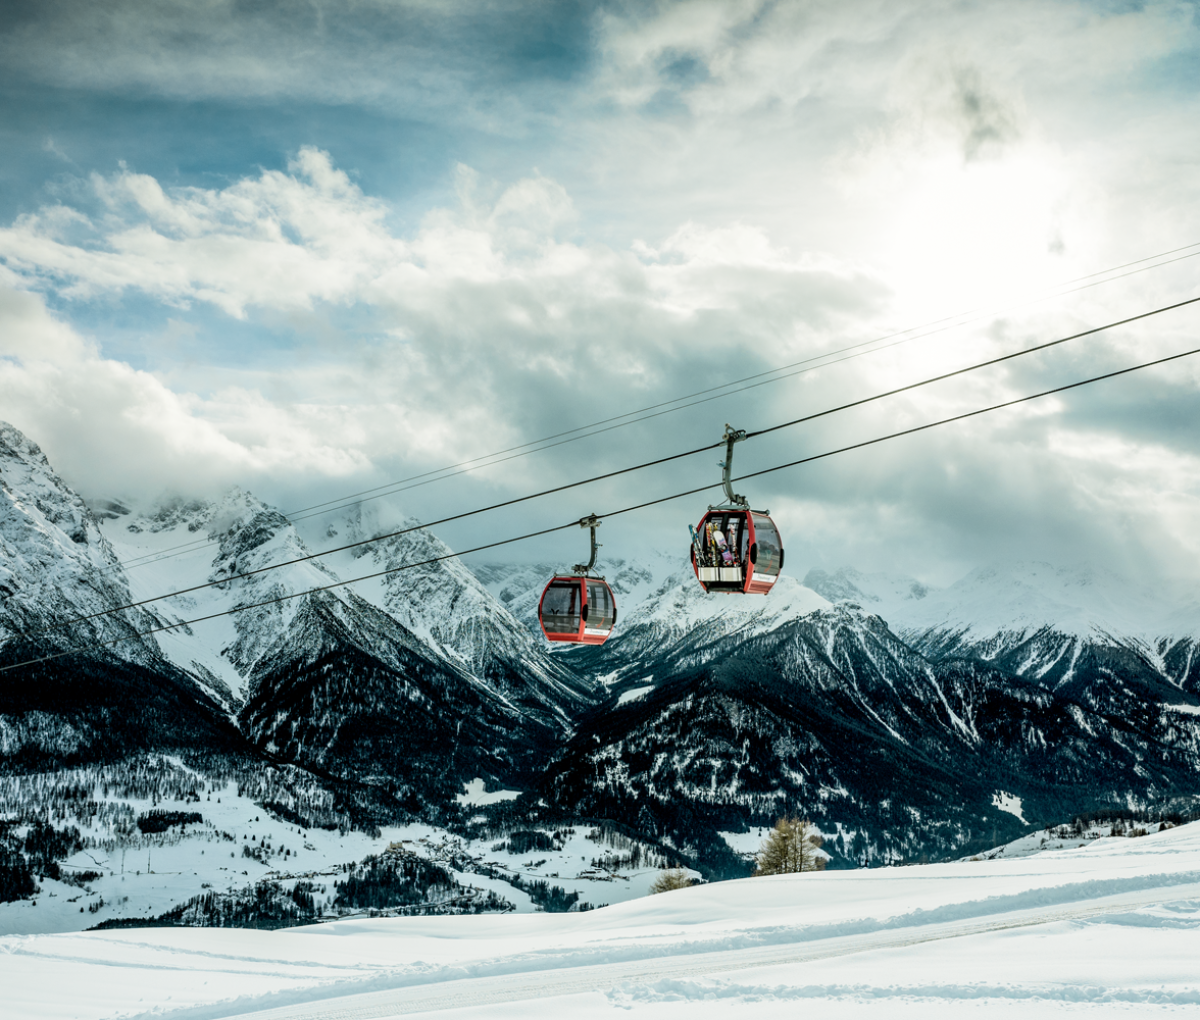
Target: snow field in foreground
[(1112, 927)]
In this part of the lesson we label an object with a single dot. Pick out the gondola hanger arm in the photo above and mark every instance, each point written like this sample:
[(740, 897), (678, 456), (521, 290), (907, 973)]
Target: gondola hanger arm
[(592, 522), (730, 437)]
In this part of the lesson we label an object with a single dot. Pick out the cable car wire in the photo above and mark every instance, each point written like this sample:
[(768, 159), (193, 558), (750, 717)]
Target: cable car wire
[(636, 467), (343, 502), (982, 364), (614, 513), (726, 389), (463, 467), (903, 432), (285, 598), (394, 488), (622, 471)]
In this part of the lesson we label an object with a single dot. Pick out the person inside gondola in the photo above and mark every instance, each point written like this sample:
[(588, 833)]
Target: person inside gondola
[(729, 556)]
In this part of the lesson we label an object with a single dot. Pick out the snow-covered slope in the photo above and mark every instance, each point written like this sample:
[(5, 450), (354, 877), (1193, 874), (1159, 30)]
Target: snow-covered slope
[(430, 683), (1019, 598), (332, 675), (56, 566), (434, 595), (178, 545), (681, 609), (64, 591), (1110, 928), (426, 601)]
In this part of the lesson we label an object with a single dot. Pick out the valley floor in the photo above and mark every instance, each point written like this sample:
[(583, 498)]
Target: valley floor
[(1109, 928), (147, 875)]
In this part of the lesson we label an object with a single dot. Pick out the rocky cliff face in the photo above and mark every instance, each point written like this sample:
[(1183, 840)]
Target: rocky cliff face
[(415, 678), (432, 593), (1080, 631), (418, 680)]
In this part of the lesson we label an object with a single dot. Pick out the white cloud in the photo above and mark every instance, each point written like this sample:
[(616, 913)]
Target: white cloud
[(284, 242), (727, 186), (837, 126), (727, 57), (492, 326), (487, 323), (111, 429), (278, 241)]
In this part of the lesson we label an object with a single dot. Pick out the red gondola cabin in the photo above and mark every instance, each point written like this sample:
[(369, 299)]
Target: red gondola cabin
[(737, 551), (581, 610)]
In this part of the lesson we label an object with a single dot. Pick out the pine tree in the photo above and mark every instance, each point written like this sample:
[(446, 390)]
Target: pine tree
[(791, 846)]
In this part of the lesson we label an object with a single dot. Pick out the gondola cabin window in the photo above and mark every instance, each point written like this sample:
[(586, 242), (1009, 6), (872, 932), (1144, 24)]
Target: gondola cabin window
[(562, 607), (768, 558), (601, 610)]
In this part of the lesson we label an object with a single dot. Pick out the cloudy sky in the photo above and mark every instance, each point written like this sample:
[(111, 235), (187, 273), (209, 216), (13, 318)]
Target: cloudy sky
[(311, 248)]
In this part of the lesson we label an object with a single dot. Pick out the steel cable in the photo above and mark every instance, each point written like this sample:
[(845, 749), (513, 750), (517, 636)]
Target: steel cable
[(639, 506)]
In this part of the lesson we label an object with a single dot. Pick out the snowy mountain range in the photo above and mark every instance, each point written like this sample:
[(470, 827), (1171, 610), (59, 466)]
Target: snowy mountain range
[(1082, 631), (905, 719), (737, 710), (416, 681), (95, 686)]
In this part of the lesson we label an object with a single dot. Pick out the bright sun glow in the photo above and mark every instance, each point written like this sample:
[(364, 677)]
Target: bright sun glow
[(976, 235)]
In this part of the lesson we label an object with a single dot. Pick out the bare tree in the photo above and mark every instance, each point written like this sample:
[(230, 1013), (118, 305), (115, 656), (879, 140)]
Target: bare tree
[(793, 845), (670, 878)]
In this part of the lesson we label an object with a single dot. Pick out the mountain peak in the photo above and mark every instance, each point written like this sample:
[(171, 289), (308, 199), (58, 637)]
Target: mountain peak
[(56, 566), (14, 442)]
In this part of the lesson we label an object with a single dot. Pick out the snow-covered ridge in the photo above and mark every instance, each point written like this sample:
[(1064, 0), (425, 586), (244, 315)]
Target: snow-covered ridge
[(1057, 625), (56, 566), (1021, 598), (436, 608), (61, 561), (442, 601), (680, 608), (439, 599), (176, 545)]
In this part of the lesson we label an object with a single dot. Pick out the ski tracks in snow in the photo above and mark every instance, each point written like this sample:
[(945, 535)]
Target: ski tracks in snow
[(671, 976)]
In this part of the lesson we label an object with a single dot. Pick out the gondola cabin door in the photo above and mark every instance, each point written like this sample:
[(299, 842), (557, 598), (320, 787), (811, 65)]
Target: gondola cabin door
[(737, 551), (577, 609)]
